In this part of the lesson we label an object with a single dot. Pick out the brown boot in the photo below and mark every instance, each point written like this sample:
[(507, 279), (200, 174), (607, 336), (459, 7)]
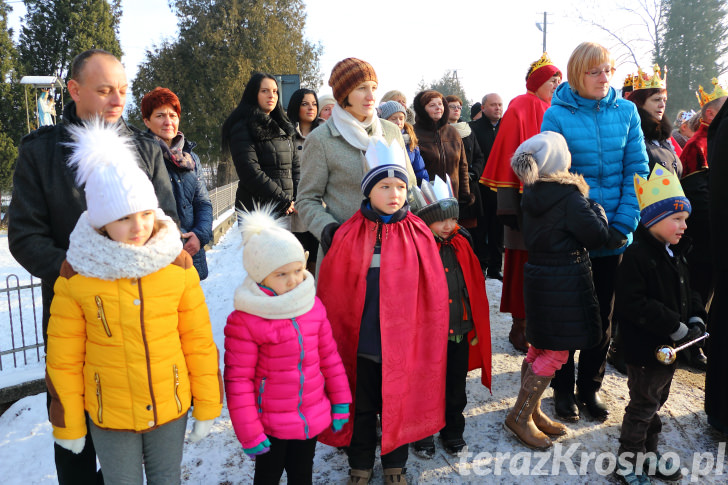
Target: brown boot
[(541, 420), (359, 477), (517, 335), (395, 475), (519, 421)]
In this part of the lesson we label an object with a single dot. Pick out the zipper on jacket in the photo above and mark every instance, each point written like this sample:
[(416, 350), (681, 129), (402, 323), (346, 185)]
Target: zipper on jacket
[(146, 351), (101, 314), (100, 413), (176, 388), (301, 376), (261, 389)]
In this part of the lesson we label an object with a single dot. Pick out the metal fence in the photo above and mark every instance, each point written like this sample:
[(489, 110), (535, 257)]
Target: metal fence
[(22, 338), (21, 322)]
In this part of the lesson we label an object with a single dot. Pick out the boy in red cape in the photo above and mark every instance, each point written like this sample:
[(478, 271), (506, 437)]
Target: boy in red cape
[(384, 288), (468, 343)]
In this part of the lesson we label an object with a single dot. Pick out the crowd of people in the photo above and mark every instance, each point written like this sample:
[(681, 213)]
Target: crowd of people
[(368, 231)]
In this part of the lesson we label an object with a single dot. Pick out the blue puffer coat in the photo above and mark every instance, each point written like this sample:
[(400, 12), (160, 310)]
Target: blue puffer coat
[(193, 205), (607, 147)]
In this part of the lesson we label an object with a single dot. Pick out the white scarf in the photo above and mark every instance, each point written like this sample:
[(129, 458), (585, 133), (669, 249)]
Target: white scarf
[(249, 298), (96, 256), (355, 131)]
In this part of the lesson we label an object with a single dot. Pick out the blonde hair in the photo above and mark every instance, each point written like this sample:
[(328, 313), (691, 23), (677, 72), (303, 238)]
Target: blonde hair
[(586, 56), (390, 95), (413, 138)]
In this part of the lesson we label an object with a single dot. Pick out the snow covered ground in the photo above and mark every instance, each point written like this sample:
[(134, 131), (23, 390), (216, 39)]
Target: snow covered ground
[(585, 455)]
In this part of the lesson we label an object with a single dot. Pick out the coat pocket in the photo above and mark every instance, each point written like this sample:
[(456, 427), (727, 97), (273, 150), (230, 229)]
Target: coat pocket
[(101, 314), (99, 398), (261, 390), (177, 400)]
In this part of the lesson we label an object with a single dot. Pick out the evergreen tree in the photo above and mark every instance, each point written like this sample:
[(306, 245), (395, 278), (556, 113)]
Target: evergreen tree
[(695, 39), (53, 33), (447, 85), (11, 124), (220, 44)]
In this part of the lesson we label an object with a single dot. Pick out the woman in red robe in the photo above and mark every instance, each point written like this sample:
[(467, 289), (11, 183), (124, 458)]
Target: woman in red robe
[(521, 121)]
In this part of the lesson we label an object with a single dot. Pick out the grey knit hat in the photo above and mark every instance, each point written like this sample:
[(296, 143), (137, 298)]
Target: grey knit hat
[(543, 154), (389, 108), (434, 201), (439, 211)]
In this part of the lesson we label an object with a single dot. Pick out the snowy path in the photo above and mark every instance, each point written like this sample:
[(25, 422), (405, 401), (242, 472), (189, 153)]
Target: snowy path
[(585, 455)]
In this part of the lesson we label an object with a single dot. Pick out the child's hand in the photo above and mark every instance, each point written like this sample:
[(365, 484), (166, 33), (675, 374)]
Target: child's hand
[(340, 415), (76, 446), (262, 448), (200, 429)]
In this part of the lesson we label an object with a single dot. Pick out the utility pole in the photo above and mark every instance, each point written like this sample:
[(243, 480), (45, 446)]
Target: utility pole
[(542, 27)]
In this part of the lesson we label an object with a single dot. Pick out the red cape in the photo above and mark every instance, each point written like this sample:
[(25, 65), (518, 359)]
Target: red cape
[(694, 156), (413, 319), (521, 121), (480, 353)]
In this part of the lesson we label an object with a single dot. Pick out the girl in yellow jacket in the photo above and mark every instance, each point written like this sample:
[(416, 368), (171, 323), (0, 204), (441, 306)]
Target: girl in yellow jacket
[(129, 340)]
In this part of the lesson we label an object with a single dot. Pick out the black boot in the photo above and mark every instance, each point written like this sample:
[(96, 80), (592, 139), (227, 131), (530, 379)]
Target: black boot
[(565, 406), (425, 448), (594, 405)]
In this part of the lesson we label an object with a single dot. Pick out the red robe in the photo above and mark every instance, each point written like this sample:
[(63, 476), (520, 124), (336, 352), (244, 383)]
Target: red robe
[(695, 152), (521, 121), (414, 321), (480, 353)]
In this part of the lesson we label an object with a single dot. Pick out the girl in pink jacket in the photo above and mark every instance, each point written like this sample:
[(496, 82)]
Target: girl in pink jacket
[(284, 379)]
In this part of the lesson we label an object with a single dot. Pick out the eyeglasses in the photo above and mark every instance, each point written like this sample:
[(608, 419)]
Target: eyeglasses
[(598, 72), (455, 107)]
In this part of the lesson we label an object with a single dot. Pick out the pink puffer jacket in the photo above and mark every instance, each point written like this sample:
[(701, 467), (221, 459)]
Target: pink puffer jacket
[(282, 375)]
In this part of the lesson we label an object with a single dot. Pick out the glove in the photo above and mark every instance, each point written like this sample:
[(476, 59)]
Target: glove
[(597, 209), (340, 415), (697, 321), (327, 236), (468, 199), (616, 239), (76, 446), (510, 220), (685, 334), (200, 429), (259, 449)]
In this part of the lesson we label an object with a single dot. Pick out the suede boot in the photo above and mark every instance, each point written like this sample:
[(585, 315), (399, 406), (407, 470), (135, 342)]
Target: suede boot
[(517, 335), (519, 421), (359, 477), (540, 419), (395, 475)]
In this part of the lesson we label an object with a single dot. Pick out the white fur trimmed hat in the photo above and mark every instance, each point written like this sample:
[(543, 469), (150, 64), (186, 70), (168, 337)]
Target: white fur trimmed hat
[(105, 161), (543, 154), (267, 245)]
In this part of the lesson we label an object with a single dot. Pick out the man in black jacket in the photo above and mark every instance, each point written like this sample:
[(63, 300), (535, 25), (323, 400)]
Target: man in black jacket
[(485, 129), (46, 202)]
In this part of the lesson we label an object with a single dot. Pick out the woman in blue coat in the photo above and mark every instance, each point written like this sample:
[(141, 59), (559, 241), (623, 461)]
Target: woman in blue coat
[(607, 147), (161, 112)]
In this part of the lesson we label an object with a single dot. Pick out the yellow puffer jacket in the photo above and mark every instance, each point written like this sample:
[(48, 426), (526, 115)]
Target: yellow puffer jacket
[(133, 353)]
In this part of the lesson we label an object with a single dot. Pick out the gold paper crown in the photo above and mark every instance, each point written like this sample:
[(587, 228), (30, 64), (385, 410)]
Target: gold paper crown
[(705, 98), (662, 184), (545, 60), (628, 81), (644, 81)]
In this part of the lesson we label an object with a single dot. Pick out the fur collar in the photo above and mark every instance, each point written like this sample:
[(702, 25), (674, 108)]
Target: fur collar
[(249, 298), (654, 129), (567, 178), (96, 256), (266, 127), (463, 128)]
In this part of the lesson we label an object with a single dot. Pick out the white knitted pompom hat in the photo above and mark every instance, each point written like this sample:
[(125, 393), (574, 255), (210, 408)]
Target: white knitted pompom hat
[(267, 245), (105, 161)]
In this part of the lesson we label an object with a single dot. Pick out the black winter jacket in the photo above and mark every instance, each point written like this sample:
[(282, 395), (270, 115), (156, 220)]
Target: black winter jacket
[(46, 202), (485, 133), (193, 205), (560, 226), (476, 165), (652, 297), (266, 159)]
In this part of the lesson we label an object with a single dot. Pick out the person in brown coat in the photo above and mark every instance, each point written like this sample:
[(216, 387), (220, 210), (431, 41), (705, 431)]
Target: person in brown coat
[(440, 144)]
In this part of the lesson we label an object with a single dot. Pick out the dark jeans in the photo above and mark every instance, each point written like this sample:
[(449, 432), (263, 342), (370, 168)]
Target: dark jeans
[(492, 253), (73, 469), (592, 362), (649, 388), (367, 405), (455, 396), (295, 456)]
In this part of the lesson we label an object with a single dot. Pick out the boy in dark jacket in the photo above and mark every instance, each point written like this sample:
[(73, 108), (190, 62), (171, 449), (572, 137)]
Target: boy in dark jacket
[(560, 226), (656, 306), (468, 304)]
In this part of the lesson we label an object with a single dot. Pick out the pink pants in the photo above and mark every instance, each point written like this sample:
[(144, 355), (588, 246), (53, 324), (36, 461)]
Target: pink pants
[(546, 362)]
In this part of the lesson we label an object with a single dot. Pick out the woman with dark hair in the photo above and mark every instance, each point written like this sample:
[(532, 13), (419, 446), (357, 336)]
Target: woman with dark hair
[(260, 139), (161, 111), (303, 113)]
